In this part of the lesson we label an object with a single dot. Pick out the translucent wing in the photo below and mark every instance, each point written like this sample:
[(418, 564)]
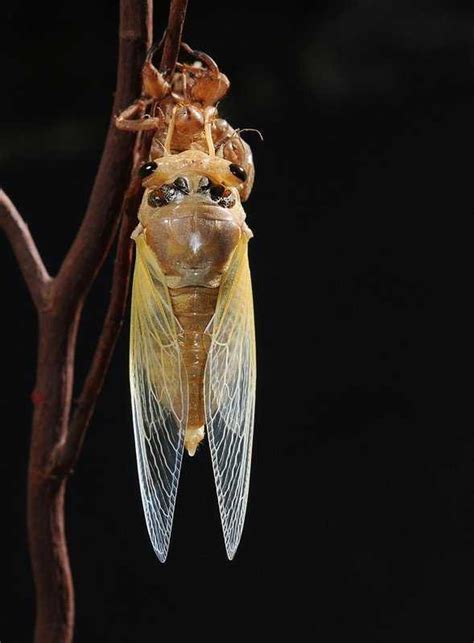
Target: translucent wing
[(229, 393), (159, 396)]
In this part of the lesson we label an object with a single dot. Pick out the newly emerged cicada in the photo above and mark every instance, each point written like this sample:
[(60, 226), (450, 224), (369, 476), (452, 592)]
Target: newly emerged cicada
[(192, 345)]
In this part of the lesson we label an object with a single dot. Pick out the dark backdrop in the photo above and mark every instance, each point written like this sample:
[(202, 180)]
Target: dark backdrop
[(360, 520)]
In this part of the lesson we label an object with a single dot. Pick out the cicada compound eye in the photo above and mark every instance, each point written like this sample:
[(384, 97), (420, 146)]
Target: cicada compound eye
[(222, 196), (204, 184), (162, 196), (238, 171), (147, 169), (182, 184)]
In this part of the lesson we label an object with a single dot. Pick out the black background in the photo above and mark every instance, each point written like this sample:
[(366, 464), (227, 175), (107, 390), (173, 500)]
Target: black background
[(361, 512)]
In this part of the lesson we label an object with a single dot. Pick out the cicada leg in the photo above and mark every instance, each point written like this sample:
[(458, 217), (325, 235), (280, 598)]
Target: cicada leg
[(170, 132), (210, 111), (204, 58), (209, 85), (125, 121), (154, 82)]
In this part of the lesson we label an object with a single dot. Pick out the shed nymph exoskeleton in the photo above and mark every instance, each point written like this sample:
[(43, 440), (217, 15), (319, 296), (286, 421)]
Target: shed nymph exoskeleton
[(180, 105), (192, 349)]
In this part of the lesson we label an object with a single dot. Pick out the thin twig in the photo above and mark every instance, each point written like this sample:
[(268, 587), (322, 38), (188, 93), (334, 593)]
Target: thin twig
[(58, 324), (99, 225), (56, 435), (173, 35), (31, 265), (69, 453), (113, 320)]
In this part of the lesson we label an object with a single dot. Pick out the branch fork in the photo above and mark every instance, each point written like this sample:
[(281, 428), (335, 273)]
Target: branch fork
[(59, 427)]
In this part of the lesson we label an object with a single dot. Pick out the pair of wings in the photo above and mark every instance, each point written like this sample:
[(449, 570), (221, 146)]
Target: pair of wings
[(160, 395)]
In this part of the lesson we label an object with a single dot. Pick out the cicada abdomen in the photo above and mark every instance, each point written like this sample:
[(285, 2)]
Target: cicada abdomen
[(192, 349)]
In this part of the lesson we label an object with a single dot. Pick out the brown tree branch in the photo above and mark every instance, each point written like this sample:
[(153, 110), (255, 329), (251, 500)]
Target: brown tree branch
[(57, 340), (113, 320), (96, 233), (69, 453), (31, 265), (56, 435), (173, 34)]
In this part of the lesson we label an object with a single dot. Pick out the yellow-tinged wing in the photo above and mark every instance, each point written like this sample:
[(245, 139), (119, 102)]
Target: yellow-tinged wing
[(159, 396), (229, 393)]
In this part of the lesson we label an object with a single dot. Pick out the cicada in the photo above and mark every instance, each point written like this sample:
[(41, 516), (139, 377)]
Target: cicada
[(192, 338)]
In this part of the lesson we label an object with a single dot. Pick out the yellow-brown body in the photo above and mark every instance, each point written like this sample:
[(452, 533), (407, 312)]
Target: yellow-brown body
[(194, 307), (193, 239), (192, 332)]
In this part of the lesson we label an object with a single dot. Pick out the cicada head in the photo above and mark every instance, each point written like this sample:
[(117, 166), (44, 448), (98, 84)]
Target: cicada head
[(194, 165), (191, 181)]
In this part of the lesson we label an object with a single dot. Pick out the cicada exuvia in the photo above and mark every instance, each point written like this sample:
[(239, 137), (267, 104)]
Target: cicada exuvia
[(192, 344)]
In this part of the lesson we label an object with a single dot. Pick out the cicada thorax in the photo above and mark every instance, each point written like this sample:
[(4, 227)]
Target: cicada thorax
[(192, 219)]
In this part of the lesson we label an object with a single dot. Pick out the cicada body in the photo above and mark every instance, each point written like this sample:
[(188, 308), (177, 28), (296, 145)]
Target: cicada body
[(192, 345), (192, 352)]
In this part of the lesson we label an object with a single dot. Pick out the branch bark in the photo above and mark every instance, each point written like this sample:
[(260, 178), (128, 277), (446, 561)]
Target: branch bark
[(34, 272), (114, 318), (58, 324), (96, 233), (173, 35), (64, 461), (57, 435)]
